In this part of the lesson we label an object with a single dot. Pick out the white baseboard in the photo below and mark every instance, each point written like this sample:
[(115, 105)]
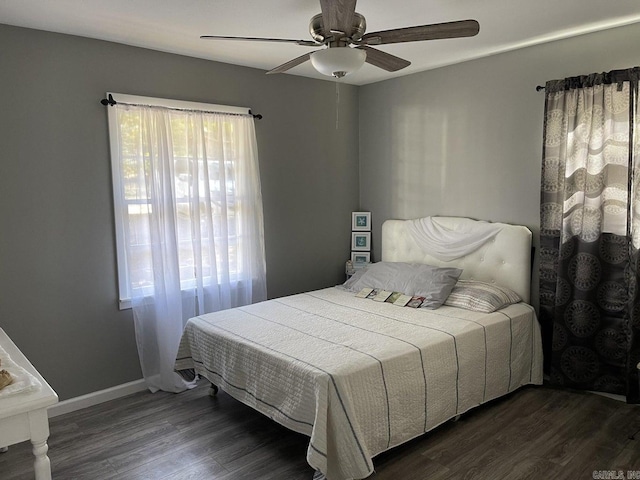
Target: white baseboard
[(95, 398), (620, 398)]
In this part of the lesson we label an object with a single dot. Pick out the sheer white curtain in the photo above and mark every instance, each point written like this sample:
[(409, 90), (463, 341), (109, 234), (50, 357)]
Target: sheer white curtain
[(192, 223)]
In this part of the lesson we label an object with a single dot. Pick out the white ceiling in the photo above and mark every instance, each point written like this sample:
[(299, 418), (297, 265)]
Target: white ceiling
[(175, 26)]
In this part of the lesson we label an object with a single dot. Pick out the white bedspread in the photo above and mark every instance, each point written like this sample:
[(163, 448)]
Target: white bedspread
[(357, 376)]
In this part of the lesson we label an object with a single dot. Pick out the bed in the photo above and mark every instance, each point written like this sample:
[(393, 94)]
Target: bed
[(360, 377)]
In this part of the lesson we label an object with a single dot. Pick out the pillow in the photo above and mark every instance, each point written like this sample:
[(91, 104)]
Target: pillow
[(481, 296), (415, 279)]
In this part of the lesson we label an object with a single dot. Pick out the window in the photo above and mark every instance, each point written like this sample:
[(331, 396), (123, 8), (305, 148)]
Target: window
[(187, 197)]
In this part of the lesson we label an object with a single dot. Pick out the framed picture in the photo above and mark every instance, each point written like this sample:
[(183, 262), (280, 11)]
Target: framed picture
[(361, 241), (361, 221), (360, 257)]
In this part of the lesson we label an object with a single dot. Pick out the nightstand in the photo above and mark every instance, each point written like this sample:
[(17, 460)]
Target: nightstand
[(23, 416)]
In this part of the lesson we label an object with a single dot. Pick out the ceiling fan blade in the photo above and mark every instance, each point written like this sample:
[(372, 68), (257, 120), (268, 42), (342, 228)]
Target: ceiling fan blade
[(337, 16), (384, 60), (290, 64), (462, 28), (306, 43)]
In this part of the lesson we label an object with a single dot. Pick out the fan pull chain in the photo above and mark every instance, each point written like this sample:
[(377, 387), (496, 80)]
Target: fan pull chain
[(337, 104)]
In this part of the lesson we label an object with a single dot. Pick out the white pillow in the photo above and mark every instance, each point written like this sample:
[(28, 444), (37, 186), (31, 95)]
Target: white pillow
[(415, 279), (481, 296)]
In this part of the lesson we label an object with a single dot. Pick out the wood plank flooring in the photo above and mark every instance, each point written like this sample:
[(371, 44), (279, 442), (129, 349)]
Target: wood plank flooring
[(534, 433)]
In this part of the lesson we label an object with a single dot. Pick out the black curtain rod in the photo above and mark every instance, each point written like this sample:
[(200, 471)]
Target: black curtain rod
[(539, 87), (111, 102)]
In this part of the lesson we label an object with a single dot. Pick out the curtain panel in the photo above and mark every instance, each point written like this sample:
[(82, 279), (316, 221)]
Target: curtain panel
[(193, 224), (590, 232)]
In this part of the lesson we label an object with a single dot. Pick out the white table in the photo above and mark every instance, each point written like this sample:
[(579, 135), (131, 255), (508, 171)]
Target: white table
[(24, 416)]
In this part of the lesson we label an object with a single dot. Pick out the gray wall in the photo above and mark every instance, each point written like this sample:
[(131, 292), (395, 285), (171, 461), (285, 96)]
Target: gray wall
[(466, 140), (58, 288)]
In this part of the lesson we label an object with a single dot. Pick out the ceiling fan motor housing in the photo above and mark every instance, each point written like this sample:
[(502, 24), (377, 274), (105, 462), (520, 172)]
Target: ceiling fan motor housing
[(316, 29)]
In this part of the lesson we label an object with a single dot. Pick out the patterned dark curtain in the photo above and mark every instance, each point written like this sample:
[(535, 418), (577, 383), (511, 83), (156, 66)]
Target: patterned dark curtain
[(590, 233)]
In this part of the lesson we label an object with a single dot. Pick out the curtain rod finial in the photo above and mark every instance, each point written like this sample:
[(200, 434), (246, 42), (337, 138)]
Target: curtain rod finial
[(108, 101)]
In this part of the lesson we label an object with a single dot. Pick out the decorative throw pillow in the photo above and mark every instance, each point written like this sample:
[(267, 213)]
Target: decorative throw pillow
[(414, 279), (481, 296)]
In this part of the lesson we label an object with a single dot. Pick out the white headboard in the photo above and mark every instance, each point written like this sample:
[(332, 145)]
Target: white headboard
[(504, 260)]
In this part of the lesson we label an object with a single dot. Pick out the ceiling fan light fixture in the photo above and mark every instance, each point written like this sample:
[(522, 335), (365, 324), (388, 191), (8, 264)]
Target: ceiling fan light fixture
[(338, 61)]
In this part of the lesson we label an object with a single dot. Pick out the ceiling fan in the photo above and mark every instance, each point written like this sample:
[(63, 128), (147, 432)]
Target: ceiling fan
[(342, 30)]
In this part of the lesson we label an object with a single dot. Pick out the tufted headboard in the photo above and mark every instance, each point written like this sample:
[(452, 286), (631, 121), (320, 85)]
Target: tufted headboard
[(504, 260)]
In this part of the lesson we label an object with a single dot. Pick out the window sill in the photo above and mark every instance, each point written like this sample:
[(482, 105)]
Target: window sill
[(126, 304)]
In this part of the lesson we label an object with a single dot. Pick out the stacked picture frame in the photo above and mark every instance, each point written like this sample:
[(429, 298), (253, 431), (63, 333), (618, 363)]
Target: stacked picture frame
[(360, 239)]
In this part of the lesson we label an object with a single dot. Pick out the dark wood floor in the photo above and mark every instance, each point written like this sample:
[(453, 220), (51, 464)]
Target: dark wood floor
[(534, 433)]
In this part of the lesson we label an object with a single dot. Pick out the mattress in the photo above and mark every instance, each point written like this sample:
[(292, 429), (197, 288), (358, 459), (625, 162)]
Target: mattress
[(358, 376)]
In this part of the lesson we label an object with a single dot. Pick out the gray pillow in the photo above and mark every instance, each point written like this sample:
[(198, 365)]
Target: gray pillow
[(415, 279)]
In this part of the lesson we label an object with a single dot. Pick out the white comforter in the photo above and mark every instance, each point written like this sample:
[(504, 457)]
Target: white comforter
[(358, 376)]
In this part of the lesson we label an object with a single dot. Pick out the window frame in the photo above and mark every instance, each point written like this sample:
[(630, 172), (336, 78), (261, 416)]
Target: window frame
[(119, 203)]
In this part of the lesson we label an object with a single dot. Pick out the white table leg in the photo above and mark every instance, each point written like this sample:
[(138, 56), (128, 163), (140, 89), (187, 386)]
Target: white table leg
[(42, 464), (39, 427)]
